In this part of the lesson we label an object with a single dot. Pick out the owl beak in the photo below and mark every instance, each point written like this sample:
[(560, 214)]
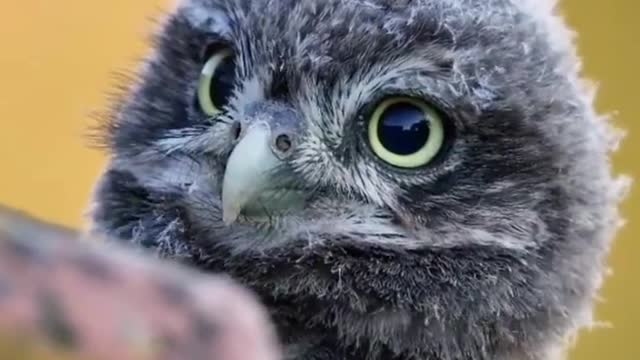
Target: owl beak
[(255, 179)]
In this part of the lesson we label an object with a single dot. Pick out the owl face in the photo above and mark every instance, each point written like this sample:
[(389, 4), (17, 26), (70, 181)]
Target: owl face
[(368, 121), (445, 146)]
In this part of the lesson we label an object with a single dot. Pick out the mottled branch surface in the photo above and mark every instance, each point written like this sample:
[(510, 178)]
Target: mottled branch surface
[(66, 298)]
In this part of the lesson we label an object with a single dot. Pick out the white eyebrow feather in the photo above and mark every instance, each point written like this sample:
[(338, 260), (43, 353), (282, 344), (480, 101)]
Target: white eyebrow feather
[(204, 16)]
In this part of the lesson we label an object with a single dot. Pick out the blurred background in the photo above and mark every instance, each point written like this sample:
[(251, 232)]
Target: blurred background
[(59, 59)]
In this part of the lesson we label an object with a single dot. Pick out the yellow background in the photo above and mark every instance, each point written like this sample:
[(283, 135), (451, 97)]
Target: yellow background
[(58, 59)]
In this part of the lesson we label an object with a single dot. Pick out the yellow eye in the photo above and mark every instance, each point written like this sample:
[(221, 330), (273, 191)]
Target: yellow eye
[(406, 132), (216, 82)]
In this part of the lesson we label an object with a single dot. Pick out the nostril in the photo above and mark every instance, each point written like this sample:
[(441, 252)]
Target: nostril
[(283, 143), (236, 129)]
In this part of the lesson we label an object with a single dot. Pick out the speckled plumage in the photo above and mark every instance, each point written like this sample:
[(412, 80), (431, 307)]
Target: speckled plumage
[(494, 251)]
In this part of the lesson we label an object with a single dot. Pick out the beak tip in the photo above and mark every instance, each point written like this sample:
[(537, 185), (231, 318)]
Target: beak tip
[(229, 216)]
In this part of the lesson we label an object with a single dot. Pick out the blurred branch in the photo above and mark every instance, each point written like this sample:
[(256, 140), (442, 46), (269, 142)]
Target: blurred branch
[(61, 298)]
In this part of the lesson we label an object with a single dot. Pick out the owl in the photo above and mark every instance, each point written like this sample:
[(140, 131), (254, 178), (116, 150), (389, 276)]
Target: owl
[(395, 179)]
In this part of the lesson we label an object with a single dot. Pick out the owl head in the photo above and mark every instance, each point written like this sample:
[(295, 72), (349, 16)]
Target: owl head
[(420, 178)]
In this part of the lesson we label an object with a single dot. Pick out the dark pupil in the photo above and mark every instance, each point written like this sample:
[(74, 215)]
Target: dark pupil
[(403, 129), (222, 82)]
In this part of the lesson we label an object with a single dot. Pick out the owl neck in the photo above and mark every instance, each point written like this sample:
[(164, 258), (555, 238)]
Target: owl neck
[(341, 302)]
